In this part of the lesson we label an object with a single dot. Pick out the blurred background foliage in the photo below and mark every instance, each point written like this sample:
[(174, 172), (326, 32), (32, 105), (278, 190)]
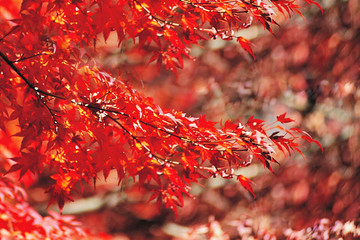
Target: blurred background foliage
[(307, 68)]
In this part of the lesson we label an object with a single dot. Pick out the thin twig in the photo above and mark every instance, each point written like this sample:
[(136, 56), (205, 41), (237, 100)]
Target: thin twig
[(13, 29), (39, 93), (202, 6), (36, 89), (137, 140), (26, 58)]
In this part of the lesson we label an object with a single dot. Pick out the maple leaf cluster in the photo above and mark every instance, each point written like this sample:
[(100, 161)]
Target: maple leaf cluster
[(76, 120), (19, 221)]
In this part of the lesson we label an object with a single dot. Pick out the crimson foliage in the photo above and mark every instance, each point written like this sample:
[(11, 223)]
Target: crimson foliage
[(75, 120)]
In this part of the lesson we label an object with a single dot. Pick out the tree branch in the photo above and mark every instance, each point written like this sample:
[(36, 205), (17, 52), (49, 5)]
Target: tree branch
[(138, 141), (13, 29), (39, 93), (22, 58), (36, 89)]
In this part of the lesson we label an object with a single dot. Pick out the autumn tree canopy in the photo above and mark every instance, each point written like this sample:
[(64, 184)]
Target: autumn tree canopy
[(75, 120)]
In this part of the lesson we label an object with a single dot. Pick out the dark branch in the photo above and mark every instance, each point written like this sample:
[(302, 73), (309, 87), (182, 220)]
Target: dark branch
[(138, 141), (36, 89), (13, 29), (22, 58), (39, 93)]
